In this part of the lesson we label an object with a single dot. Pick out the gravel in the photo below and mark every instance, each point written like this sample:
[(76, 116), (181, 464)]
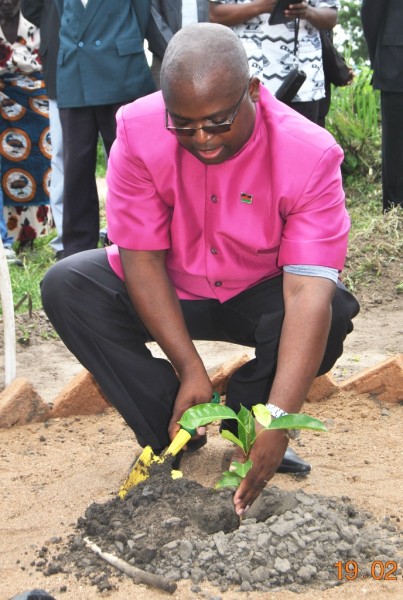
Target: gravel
[(180, 530)]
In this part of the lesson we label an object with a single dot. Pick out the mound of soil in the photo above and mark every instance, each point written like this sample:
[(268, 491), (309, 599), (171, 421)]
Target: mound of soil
[(178, 529)]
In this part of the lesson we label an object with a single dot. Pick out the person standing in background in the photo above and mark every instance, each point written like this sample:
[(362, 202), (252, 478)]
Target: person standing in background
[(383, 31), (24, 132), (6, 239), (101, 66), (167, 17), (44, 14), (274, 50)]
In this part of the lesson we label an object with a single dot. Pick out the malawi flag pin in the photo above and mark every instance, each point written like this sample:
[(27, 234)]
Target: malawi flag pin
[(246, 198)]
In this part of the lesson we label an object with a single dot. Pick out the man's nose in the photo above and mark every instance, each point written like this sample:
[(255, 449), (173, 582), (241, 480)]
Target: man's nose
[(201, 136)]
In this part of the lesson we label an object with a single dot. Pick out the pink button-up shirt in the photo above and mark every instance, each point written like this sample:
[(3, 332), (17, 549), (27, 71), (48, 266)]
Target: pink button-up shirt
[(226, 227)]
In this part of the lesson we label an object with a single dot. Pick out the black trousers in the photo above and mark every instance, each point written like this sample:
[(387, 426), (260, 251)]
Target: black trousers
[(310, 110), (392, 149), (90, 309), (81, 128)]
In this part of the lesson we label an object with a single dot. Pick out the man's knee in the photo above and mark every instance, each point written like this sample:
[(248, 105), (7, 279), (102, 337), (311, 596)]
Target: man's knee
[(65, 281), (344, 308), (53, 285)]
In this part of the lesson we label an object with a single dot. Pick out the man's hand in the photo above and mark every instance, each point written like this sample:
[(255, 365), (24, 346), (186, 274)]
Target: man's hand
[(196, 390), (234, 14), (266, 455), (319, 17), (297, 11), (302, 344)]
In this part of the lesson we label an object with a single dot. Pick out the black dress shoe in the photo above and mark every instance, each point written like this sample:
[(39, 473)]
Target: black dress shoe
[(292, 463)]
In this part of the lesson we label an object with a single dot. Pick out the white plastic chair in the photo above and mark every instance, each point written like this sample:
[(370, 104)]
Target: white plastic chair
[(7, 304)]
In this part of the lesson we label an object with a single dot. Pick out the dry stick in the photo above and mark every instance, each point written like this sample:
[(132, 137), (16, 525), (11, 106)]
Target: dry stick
[(138, 575)]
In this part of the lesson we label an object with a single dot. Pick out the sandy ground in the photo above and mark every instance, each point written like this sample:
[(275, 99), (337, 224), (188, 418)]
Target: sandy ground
[(51, 472)]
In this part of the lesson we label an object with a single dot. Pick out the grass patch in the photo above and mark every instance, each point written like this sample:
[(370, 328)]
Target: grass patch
[(375, 247), (101, 160), (354, 121), (375, 240), (25, 281)]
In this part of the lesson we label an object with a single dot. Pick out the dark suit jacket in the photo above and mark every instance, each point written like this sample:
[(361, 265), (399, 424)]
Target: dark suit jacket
[(166, 20), (382, 22), (101, 58), (44, 14)]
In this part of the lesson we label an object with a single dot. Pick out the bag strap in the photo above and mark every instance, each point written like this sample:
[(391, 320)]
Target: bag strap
[(295, 51), (296, 31)]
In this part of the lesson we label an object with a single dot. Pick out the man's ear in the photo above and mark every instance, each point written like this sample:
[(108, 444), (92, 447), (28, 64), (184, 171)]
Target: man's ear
[(254, 89)]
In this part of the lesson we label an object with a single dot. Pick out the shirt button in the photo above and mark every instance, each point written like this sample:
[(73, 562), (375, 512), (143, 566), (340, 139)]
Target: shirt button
[(218, 283), (98, 43), (213, 250), (214, 198), (80, 44)]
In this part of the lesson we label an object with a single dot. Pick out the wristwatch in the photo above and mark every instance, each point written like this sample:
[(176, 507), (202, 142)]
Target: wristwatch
[(276, 412)]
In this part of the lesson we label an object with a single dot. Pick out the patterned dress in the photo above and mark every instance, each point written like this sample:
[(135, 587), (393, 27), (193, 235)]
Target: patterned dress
[(270, 50), (25, 146)]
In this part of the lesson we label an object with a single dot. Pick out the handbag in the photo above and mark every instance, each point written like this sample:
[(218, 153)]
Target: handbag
[(294, 79), (335, 67)]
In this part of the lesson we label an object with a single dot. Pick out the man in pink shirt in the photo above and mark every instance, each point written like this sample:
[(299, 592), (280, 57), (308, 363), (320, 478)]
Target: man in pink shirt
[(227, 211)]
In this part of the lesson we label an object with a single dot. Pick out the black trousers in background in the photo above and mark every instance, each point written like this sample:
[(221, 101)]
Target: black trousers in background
[(81, 128), (90, 309), (392, 149), (310, 110)]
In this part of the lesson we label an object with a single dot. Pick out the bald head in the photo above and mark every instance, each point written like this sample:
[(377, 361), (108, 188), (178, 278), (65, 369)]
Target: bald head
[(204, 55)]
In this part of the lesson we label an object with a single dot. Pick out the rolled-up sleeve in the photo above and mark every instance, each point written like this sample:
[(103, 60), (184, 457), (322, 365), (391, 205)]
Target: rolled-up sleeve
[(317, 224)]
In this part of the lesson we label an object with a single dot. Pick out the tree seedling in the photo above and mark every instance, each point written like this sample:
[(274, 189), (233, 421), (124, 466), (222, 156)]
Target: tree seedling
[(203, 414)]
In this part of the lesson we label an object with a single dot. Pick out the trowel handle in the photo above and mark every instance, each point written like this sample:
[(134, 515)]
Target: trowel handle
[(184, 434), (214, 400)]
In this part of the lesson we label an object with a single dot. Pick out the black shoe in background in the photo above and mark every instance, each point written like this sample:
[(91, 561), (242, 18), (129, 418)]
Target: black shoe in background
[(294, 464)]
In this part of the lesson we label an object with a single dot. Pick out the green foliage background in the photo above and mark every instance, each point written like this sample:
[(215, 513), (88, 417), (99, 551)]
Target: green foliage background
[(354, 120), (350, 23)]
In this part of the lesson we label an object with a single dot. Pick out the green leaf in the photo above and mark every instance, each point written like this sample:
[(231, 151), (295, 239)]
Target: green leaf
[(241, 469), (262, 414), (246, 428), (202, 414), (228, 435), (228, 479), (297, 421)]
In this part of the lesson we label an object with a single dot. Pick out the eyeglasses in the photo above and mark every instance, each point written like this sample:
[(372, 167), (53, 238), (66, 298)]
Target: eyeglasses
[(215, 129)]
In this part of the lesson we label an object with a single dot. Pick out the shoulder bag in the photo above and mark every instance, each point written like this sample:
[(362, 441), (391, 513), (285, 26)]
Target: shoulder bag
[(335, 67)]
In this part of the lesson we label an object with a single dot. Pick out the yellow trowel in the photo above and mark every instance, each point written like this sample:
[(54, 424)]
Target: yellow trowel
[(141, 468)]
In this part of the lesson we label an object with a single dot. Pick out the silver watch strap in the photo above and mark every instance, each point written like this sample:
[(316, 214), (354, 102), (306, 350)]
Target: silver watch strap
[(276, 412)]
